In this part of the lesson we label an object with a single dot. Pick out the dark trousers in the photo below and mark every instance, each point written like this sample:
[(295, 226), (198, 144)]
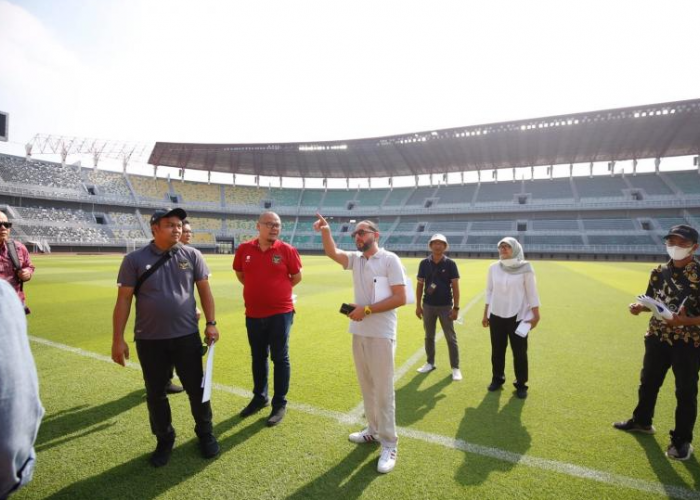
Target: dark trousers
[(157, 357), (270, 337), (430, 317), (684, 360), (502, 330)]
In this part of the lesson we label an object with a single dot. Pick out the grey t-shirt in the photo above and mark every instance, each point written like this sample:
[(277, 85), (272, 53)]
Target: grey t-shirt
[(165, 304)]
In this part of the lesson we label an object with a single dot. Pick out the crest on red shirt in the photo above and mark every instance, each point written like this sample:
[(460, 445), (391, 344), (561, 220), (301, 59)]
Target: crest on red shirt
[(276, 259)]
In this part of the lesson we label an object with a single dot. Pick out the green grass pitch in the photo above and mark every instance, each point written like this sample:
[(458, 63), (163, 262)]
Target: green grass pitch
[(456, 439)]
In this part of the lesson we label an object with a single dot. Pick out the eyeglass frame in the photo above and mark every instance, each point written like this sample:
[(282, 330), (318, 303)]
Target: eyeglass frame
[(362, 232), (271, 225)]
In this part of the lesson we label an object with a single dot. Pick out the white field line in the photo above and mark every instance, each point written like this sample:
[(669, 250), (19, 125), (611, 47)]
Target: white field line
[(358, 411), (447, 442)]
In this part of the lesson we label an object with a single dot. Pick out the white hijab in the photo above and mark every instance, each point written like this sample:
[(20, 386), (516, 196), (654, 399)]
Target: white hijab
[(517, 263)]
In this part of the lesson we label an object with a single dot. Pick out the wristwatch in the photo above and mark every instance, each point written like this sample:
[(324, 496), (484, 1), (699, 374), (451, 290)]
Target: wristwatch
[(368, 311), (211, 323)]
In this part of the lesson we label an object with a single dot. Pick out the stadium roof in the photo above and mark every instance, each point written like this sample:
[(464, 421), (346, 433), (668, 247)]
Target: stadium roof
[(649, 131)]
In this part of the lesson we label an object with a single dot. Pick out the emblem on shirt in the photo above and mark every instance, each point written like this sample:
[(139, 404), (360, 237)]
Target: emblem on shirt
[(184, 264), (276, 259), (247, 259)]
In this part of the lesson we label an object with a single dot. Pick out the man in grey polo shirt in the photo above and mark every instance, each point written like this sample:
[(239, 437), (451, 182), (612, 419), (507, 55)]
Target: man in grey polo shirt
[(165, 331), (375, 272)]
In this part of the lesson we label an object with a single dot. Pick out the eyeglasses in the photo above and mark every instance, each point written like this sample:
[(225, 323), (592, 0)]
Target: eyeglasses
[(187, 232), (361, 233), (8, 225), (271, 225)]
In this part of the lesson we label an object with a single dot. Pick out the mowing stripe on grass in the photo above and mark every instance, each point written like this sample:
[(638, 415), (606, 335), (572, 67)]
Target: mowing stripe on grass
[(356, 412), (445, 441), (553, 465)]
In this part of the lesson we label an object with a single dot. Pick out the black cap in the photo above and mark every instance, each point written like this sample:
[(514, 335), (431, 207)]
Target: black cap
[(164, 212), (684, 231)]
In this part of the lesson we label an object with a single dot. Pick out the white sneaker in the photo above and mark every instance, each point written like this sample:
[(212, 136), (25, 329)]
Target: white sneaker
[(362, 437), (387, 460), (456, 374), (426, 368)]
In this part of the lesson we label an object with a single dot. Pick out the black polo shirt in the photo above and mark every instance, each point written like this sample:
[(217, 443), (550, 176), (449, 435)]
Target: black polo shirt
[(441, 274)]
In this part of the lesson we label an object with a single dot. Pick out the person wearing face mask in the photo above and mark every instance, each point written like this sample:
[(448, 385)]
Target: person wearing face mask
[(672, 343), (511, 299)]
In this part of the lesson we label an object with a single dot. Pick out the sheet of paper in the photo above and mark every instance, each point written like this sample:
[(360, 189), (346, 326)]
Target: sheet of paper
[(208, 374), (524, 327)]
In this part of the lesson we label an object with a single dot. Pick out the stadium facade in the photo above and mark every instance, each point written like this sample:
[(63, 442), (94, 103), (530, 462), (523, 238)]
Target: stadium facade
[(61, 207)]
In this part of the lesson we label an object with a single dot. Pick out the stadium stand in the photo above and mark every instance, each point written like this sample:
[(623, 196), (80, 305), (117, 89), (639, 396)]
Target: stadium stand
[(244, 196), (653, 185), (455, 195), (196, 192), (109, 183), (312, 198), (398, 196), (554, 189), (284, 197), (371, 197), (338, 198), (687, 182), (491, 192), (147, 188), (70, 208), (604, 186)]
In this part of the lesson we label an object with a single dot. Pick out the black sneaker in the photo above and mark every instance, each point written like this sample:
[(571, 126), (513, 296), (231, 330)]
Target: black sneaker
[(276, 416), (632, 426), (495, 385), (208, 445), (521, 392), (161, 455), (253, 407), (173, 388), (679, 451)]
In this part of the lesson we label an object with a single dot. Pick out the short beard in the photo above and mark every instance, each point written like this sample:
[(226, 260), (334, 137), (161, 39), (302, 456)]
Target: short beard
[(365, 246)]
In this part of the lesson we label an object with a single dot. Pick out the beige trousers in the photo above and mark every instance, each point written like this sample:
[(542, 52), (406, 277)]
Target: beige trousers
[(374, 363)]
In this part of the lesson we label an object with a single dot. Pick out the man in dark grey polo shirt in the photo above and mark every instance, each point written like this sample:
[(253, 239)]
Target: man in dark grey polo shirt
[(166, 332)]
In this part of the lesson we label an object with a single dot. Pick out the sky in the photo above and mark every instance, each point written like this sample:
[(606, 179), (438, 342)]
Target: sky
[(307, 70)]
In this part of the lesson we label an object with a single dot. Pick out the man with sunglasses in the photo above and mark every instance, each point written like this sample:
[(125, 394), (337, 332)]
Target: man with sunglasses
[(375, 272), (672, 343), (268, 269), (166, 331), (8, 272)]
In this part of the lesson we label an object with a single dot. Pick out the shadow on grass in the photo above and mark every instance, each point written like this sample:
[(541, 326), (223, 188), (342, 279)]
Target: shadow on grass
[(344, 480), (78, 421), (412, 404), (137, 479), (663, 467), (499, 430)]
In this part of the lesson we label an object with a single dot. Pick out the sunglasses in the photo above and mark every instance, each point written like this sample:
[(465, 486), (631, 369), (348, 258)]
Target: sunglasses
[(8, 225), (361, 233)]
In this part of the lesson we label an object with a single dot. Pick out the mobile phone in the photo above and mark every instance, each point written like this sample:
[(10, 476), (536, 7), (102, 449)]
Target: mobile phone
[(346, 309)]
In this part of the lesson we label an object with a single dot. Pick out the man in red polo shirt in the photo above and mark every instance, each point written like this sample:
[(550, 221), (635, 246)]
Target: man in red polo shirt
[(268, 269)]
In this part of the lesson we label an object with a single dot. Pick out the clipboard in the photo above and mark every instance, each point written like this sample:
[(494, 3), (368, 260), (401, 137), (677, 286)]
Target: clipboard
[(382, 290)]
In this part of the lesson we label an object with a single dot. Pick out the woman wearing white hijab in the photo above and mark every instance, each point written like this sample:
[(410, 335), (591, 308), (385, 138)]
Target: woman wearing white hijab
[(511, 299)]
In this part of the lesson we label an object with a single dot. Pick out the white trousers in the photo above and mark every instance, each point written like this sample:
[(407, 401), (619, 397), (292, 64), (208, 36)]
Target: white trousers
[(374, 363)]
